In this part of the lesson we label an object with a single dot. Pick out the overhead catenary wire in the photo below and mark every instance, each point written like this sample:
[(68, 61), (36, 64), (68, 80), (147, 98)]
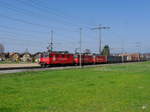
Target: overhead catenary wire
[(24, 34), (28, 35), (46, 10), (24, 21), (29, 32), (13, 37), (22, 29), (31, 14), (61, 14)]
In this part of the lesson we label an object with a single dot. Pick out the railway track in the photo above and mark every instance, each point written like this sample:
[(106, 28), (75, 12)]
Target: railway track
[(38, 68), (26, 69)]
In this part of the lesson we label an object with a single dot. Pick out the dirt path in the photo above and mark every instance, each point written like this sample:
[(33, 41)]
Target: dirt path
[(18, 65)]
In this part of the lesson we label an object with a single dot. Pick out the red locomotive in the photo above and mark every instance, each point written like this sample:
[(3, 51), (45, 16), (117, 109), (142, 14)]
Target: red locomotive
[(85, 59), (99, 59), (56, 58), (61, 58)]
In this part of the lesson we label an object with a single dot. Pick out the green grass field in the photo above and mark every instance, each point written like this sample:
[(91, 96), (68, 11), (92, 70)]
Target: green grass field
[(113, 88)]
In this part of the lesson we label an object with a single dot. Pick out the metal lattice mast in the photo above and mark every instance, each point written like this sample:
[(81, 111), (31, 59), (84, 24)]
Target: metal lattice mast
[(99, 28), (81, 47)]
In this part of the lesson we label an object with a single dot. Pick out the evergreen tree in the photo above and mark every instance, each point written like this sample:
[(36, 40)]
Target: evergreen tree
[(106, 51)]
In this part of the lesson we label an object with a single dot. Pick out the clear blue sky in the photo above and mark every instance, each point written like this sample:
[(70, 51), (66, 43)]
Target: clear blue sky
[(27, 24)]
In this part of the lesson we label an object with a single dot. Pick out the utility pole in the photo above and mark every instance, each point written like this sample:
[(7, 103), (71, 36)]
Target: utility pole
[(80, 47), (99, 28), (138, 45), (122, 52), (51, 44)]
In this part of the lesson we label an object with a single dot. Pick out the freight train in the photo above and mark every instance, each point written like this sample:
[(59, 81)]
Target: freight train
[(62, 58)]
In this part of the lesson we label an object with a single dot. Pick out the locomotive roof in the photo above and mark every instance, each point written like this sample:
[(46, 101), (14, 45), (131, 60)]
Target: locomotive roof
[(58, 52)]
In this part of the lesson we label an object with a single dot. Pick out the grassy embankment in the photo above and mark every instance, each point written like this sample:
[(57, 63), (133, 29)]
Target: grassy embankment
[(114, 88)]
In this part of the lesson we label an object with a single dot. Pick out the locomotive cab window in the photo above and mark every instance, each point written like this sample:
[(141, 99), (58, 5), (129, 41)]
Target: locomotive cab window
[(75, 56)]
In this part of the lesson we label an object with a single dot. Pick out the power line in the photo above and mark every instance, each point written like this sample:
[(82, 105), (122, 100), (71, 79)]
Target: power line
[(20, 33), (23, 21), (20, 29), (66, 18), (25, 34), (26, 30), (50, 9), (19, 39), (12, 36), (40, 9), (36, 5), (23, 12)]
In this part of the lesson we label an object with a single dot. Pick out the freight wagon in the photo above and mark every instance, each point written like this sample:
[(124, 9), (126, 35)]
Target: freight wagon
[(114, 59), (85, 59)]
